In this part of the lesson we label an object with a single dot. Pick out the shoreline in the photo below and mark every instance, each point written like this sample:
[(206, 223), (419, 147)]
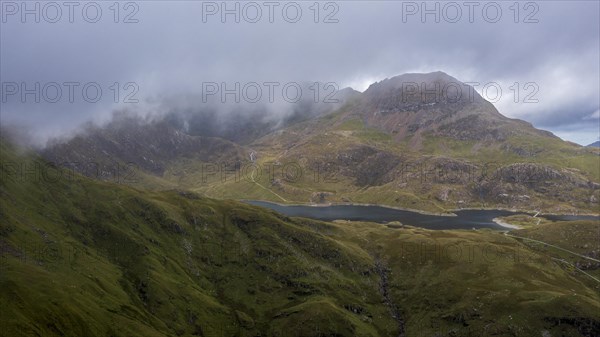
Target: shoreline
[(516, 210), (353, 204), (450, 214), (505, 224)]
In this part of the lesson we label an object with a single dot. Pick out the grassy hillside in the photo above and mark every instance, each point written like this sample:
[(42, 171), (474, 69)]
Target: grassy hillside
[(85, 258), (341, 159), (82, 257), (576, 244)]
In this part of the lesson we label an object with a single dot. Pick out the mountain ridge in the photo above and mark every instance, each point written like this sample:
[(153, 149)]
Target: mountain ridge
[(594, 144), (379, 145)]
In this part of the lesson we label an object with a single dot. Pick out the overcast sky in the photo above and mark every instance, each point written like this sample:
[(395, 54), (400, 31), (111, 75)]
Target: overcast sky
[(552, 52)]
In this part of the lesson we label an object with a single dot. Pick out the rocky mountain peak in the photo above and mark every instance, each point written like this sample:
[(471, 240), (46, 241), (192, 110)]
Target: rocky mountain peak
[(435, 102), (414, 89)]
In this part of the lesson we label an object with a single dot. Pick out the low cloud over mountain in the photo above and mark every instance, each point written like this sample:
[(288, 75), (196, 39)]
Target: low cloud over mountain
[(173, 49)]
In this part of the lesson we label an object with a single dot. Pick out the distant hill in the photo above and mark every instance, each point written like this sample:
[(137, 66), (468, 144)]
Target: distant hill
[(595, 144)]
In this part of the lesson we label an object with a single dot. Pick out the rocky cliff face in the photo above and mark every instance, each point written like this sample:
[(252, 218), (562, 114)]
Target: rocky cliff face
[(458, 182)]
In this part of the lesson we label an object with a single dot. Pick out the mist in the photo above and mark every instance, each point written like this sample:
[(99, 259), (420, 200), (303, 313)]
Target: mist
[(157, 59)]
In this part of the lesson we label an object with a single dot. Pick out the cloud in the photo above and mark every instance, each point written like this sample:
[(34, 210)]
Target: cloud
[(170, 52), (594, 115)]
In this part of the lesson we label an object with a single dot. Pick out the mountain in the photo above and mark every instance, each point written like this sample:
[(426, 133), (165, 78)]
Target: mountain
[(595, 144), (244, 122), (129, 149), (428, 152), (412, 104), (83, 257), (411, 141)]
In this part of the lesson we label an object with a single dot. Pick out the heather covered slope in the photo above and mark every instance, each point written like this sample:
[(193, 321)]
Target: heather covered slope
[(82, 257)]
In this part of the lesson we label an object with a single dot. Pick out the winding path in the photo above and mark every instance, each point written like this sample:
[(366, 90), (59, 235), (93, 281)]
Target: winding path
[(574, 266), (263, 187), (561, 260), (551, 245)]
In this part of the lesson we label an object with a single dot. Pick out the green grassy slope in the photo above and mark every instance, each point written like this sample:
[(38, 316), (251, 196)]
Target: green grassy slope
[(576, 244), (87, 258)]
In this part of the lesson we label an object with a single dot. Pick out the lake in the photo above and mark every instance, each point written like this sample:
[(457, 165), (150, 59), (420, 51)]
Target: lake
[(464, 219)]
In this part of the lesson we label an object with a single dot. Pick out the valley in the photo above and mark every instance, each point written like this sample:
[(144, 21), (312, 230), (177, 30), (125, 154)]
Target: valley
[(121, 261), (427, 153), (300, 169), (142, 228)]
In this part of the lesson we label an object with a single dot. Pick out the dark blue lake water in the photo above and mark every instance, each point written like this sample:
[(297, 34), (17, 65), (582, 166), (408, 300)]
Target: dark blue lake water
[(465, 219)]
